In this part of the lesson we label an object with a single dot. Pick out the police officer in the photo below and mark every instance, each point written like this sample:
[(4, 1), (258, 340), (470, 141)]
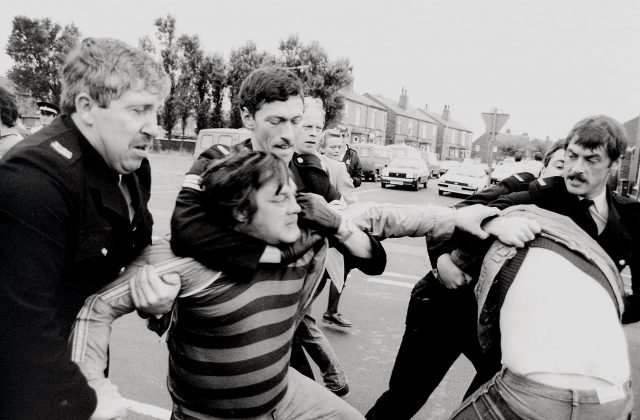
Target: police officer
[(48, 112), (441, 318), (73, 214)]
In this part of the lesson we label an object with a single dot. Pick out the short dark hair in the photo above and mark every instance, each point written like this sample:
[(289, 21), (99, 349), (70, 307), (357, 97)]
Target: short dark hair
[(268, 84), (559, 144), (229, 185), (599, 131), (537, 156), (8, 108), (517, 157)]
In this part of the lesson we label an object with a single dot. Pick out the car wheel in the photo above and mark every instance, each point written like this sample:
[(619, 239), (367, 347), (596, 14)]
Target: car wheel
[(382, 184), (440, 192), (425, 184), (416, 186)]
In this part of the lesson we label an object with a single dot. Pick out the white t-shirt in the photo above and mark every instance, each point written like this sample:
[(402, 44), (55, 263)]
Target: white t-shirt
[(556, 319)]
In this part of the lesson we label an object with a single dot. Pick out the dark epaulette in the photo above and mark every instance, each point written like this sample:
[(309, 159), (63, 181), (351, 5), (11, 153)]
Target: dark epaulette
[(217, 151), (625, 201), (545, 183), (518, 182)]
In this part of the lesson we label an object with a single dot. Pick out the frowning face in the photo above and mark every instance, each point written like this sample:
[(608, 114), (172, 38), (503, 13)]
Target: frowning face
[(276, 218), (586, 171), (276, 126), (123, 131)]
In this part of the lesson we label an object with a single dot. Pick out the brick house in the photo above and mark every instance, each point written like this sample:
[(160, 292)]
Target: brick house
[(481, 145), (366, 120), (406, 124), (453, 140)]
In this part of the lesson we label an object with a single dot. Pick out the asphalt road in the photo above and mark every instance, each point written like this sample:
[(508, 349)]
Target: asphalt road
[(376, 306)]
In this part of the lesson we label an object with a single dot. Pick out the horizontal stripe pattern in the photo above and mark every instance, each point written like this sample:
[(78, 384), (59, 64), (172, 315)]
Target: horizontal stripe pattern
[(230, 348)]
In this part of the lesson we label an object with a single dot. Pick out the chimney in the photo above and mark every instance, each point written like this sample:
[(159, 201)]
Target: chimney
[(525, 134), (426, 107), (445, 113), (404, 99)]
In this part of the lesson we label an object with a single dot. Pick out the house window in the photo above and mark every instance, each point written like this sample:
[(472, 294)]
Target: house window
[(384, 122), (398, 124), (357, 121), (373, 118), (424, 131), (477, 147), (346, 110), (410, 130)]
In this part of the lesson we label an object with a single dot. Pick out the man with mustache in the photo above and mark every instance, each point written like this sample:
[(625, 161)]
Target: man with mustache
[(73, 214), (444, 311)]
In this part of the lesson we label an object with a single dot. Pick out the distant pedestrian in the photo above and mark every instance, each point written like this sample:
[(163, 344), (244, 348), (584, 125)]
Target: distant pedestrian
[(9, 135), (336, 148), (48, 112)]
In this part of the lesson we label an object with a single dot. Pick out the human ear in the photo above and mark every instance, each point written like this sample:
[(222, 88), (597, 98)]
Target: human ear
[(247, 119), (84, 108), (240, 215)]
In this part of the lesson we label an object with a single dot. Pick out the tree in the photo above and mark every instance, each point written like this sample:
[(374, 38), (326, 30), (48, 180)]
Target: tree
[(320, 77), (166, 33), (511, 146), (39, 48), (214, 72), (242, 61)]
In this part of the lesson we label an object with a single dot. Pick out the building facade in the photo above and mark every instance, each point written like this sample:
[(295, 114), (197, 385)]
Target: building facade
[(406, 124), (453, 140), (365, 120)]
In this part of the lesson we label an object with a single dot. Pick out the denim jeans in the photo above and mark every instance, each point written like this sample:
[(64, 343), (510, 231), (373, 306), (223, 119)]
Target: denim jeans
[(317, 345), (304, 400), (512, 396)]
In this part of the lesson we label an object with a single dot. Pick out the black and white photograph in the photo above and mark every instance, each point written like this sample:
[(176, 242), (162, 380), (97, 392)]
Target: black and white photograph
[(188, 189)]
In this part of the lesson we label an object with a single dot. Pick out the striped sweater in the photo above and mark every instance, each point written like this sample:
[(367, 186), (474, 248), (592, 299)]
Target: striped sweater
[(230, 342)]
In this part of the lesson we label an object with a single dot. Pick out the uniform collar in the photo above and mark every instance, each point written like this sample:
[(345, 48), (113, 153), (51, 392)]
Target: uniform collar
[(103, 180)]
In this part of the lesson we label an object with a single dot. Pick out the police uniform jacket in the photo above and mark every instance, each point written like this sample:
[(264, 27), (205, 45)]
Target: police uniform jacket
[(354, 167), (195, 233), (66, 232), (620, 237)]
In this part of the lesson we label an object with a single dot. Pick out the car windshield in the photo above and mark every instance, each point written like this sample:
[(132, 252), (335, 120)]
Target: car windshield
[(405, 163), (467, 170)]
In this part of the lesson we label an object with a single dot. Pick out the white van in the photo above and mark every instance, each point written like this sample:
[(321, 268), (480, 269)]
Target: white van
[(226, 136)]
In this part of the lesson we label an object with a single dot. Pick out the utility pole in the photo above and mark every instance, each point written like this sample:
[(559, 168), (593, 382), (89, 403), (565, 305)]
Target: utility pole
[(494, 121)]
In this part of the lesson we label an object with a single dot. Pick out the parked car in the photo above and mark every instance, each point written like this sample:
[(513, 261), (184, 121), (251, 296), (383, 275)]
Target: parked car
[(434, 164), (402, 150), (463, 179), (373, 159), (229, 137), (409, 171), (445, 165), (504, 170)]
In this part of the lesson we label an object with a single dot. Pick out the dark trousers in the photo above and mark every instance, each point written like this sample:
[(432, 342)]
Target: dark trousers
[(440, 326)]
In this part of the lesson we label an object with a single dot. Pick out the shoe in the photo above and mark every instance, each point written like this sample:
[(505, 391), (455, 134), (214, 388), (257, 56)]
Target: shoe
[(341, 392), (336, 319)]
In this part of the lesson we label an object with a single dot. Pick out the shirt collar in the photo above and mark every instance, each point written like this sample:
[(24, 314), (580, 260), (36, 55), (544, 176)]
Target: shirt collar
[(600, 201)]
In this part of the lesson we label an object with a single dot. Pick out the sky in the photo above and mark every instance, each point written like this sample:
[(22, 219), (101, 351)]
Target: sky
[(546, 63)]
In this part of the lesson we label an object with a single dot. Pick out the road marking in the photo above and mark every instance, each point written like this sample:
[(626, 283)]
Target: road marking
[(383, 279), (149, 410), (401, 276), (368, 191), (390, 282)]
